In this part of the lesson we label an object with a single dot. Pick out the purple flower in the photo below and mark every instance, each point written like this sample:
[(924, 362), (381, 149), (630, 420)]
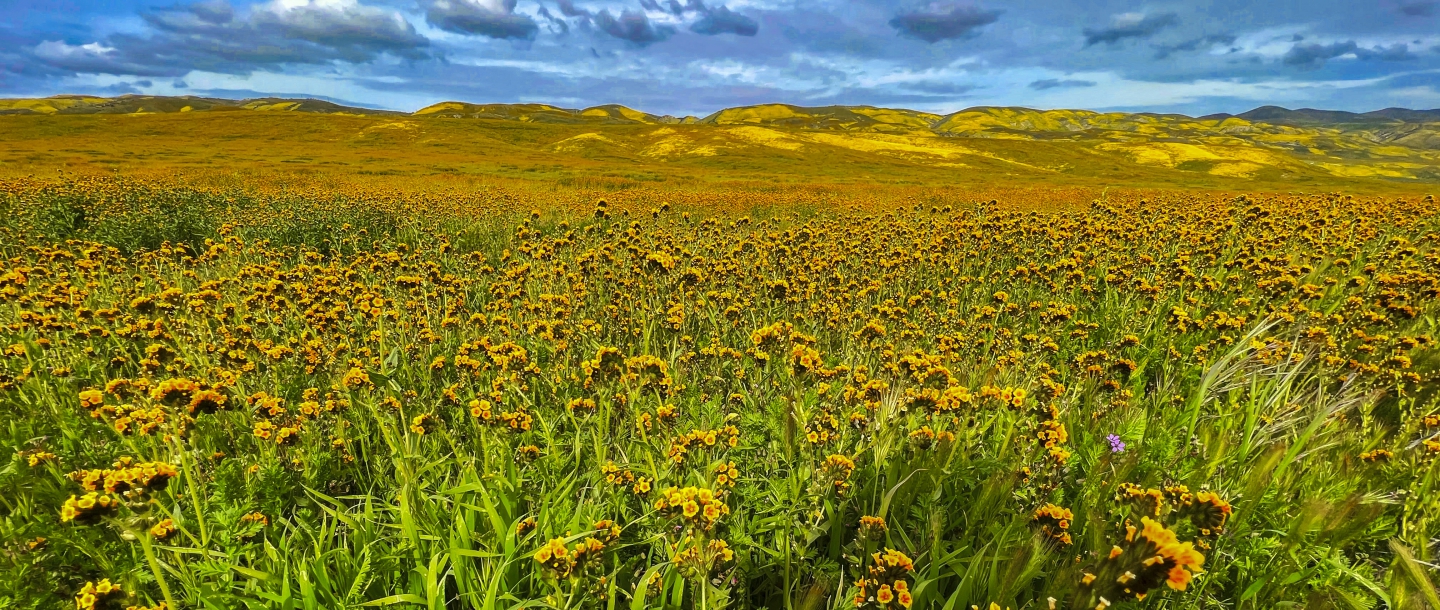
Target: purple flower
[(1116, 445)]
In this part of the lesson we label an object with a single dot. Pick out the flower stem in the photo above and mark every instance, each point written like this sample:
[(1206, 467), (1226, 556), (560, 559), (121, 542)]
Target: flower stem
[(194, 492), (146, 545)]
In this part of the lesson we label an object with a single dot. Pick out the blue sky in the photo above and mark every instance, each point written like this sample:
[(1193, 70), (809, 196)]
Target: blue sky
[(696, 56)]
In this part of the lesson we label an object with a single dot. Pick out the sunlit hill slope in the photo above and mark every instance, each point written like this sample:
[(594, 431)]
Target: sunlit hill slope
[(835, 143)]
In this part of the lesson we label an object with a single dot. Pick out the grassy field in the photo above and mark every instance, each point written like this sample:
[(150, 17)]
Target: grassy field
[(327, 362)]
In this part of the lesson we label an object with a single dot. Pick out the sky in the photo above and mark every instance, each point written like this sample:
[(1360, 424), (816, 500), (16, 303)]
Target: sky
[(694, 57)]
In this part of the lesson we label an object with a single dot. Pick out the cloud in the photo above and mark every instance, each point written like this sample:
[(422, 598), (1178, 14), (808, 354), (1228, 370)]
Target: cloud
[(213, 11), (677, 9), (1312, 56), (936, 22), (558, 25), (1425, 8), (338, 24), (81, 58), (1395, 52), (803, 51), (1163, 51), (211, 36), (568, 9), (636, 26), (491, 18), (940, 88), (721, 20), (125, 88), (633, 26), (1130, 25), (96, 58), (1054, 83)]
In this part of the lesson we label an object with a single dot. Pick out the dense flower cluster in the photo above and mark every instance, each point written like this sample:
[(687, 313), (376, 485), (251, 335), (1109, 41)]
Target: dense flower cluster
[(698, 506), (1073, 384), (88, 508), (886, 582), (1053, 522), (95, 594), (1151, 556)]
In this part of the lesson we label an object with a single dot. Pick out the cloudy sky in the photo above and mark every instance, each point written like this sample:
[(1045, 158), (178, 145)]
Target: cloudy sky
[(696, 56)]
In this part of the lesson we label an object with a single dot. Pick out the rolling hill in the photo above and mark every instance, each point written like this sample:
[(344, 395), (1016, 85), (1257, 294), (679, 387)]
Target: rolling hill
[(609, 114), (154, 104), (1267, 145)]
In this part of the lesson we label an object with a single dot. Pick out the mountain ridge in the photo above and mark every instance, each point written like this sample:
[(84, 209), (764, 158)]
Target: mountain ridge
[(164, 104), (812, 117), (1269, 143)]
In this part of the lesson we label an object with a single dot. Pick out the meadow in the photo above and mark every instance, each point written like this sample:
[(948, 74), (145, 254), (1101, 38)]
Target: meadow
[(324, 390)]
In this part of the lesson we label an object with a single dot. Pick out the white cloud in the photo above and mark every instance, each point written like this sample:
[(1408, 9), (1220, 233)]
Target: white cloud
[(59, 50)]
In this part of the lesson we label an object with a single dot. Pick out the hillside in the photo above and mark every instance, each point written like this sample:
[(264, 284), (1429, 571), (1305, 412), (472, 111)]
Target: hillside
[(1312, 117), (152, 104), (610, 114), (843, 118), (773, 141)]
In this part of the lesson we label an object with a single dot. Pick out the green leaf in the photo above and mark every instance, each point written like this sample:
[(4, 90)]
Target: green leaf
[(406, 598)]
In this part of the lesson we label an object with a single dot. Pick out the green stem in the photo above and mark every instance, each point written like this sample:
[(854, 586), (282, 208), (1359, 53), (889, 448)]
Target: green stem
[(146, 545), (194, 493)]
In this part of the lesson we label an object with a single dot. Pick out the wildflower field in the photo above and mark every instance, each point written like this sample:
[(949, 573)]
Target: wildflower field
[(313, 395)]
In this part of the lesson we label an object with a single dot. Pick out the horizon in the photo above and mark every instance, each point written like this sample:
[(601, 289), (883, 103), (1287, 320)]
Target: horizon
[(684, 58), (362, 105)]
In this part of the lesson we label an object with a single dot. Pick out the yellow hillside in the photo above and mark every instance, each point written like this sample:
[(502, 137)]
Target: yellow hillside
[(771, 140)]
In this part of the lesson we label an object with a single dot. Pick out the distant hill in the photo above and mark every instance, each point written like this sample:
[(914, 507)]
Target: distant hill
[(155, 104), (834, 118), (544, 113), (1313, 117), (1267, 143), (844, 118)]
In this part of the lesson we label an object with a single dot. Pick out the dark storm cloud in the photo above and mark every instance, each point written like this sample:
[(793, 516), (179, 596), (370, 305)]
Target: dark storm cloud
[(1130, 26), (492, 18), (722, 20), (632, 26), (1163, 51), (936, 22), (1055, 83)]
